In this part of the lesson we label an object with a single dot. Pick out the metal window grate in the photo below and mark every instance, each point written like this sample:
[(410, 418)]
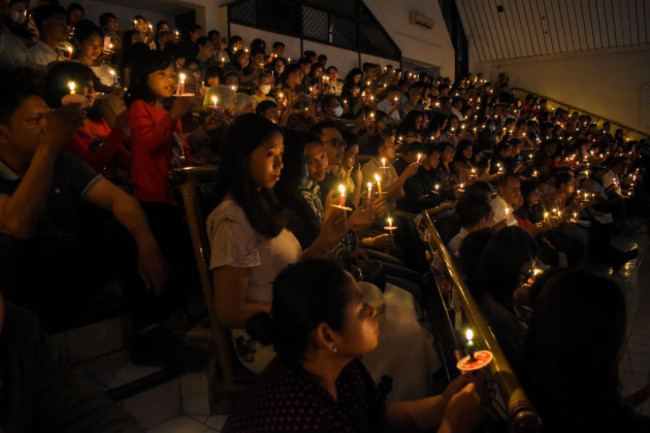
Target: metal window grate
[(344, 32), (244, 12), (343, 7), (314, 23)]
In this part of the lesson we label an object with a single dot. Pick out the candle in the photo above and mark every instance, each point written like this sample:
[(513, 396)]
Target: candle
[(289, 59), (420, 157), (507, 212), (369, 191), (345, 102), (378, 179), (390, 223), (178, 35), (280, 95), (135, 22), (470, 348), (545, 217), (214, 102), (114, 75), (223, 59), (71, 86), (383, 163), (437, 187), (150, 28), (182, 84), (342, 195), (535, 173), (234, 88), (372, 115), (70, 53)]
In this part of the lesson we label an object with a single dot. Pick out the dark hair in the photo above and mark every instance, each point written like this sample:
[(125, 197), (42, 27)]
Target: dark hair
[(562, 178), (471, 249), (14, 94), (305, 295), (213, 32), (480, 187), (472, 208), (262, 107), (58, 77), (353, 72), (126, 40), (159, 24), (84, 29), (373, 144), (310, 53), (502, 181), (288, 70), (314, 68), (45, 12), (322, 57), (408, 124), (245, 134), (129, 56), (460, 148), (278, 44), (202, 40), (571, 355), (105, 17), (302, 219), (213, 71), (500, 266), (75, 7), (148, 63)]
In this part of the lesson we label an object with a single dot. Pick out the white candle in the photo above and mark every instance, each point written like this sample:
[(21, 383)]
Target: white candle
[(182, 84), (383, 163), (71, 86), (369, 191), (214, 101), (420, 157)]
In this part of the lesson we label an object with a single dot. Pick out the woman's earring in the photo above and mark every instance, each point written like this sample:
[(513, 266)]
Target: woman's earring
[(334, 348)]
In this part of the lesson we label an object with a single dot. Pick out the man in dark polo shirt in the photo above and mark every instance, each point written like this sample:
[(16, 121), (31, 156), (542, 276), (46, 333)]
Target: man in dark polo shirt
[(55, 244)]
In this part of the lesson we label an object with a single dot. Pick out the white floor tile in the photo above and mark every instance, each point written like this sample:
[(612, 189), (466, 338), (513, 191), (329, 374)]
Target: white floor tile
[(91, 341), (157, 405)]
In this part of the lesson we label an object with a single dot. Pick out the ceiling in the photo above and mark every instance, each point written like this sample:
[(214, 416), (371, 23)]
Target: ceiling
[(512, 29)]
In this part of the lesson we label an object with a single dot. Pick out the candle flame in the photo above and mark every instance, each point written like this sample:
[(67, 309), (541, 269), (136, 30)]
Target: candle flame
[(342, 189), (377, 177), (469, 334), (72, 86), (182, 78)]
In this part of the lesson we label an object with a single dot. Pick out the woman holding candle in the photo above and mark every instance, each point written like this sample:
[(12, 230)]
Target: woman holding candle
[(90, 40), (248, 238), (320, 326), (263, 85)]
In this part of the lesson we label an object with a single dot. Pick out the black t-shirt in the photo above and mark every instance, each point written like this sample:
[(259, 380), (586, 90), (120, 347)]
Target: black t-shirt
[(71, 180)]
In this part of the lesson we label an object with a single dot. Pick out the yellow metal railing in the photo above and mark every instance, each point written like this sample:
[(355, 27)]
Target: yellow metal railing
[(631, 133), (521, 413)]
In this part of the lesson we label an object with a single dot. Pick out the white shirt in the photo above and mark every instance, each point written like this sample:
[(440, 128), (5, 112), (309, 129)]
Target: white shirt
[(457, 114), (14, 53), (454, 243), (42, 55), (499, 207), (386, 106), (103, 72)]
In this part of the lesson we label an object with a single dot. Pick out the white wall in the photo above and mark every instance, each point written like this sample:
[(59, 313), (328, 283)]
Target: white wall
[(343, 59), (607, 84), (429, 46)]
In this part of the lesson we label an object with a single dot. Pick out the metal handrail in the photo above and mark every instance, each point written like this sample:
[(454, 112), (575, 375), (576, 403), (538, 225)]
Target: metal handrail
[(639, 135), (522, 414)]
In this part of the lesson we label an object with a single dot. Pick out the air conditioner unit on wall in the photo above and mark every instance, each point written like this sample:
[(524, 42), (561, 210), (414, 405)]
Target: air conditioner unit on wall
[(420, 20)]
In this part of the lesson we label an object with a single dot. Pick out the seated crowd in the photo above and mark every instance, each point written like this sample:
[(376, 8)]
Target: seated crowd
[(317, 265)]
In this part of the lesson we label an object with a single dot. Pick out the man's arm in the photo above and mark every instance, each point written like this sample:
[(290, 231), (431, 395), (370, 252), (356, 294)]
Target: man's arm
[(395, 190), (19, 214), (128, 212)]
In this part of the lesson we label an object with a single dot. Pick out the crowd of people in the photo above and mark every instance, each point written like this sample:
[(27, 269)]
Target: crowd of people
[(321, 174)]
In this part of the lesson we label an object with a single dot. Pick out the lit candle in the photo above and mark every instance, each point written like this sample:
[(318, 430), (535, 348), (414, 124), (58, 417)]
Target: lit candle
[(437, 187), (420, 157), (345, 102), (114, 75), (233, 87), (369, 191), (545, 217), (214, 102), (71, 86), (135, 22), (178, 35), (342, 195), (372, 115), (378, 179), (383, 163), (70, 53), (507, 212), (535, 173), (470, 348), (390, 223), (280, 95), (181, 83)]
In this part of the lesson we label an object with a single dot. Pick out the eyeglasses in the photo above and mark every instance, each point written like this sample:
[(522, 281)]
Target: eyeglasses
[(337, 143)]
